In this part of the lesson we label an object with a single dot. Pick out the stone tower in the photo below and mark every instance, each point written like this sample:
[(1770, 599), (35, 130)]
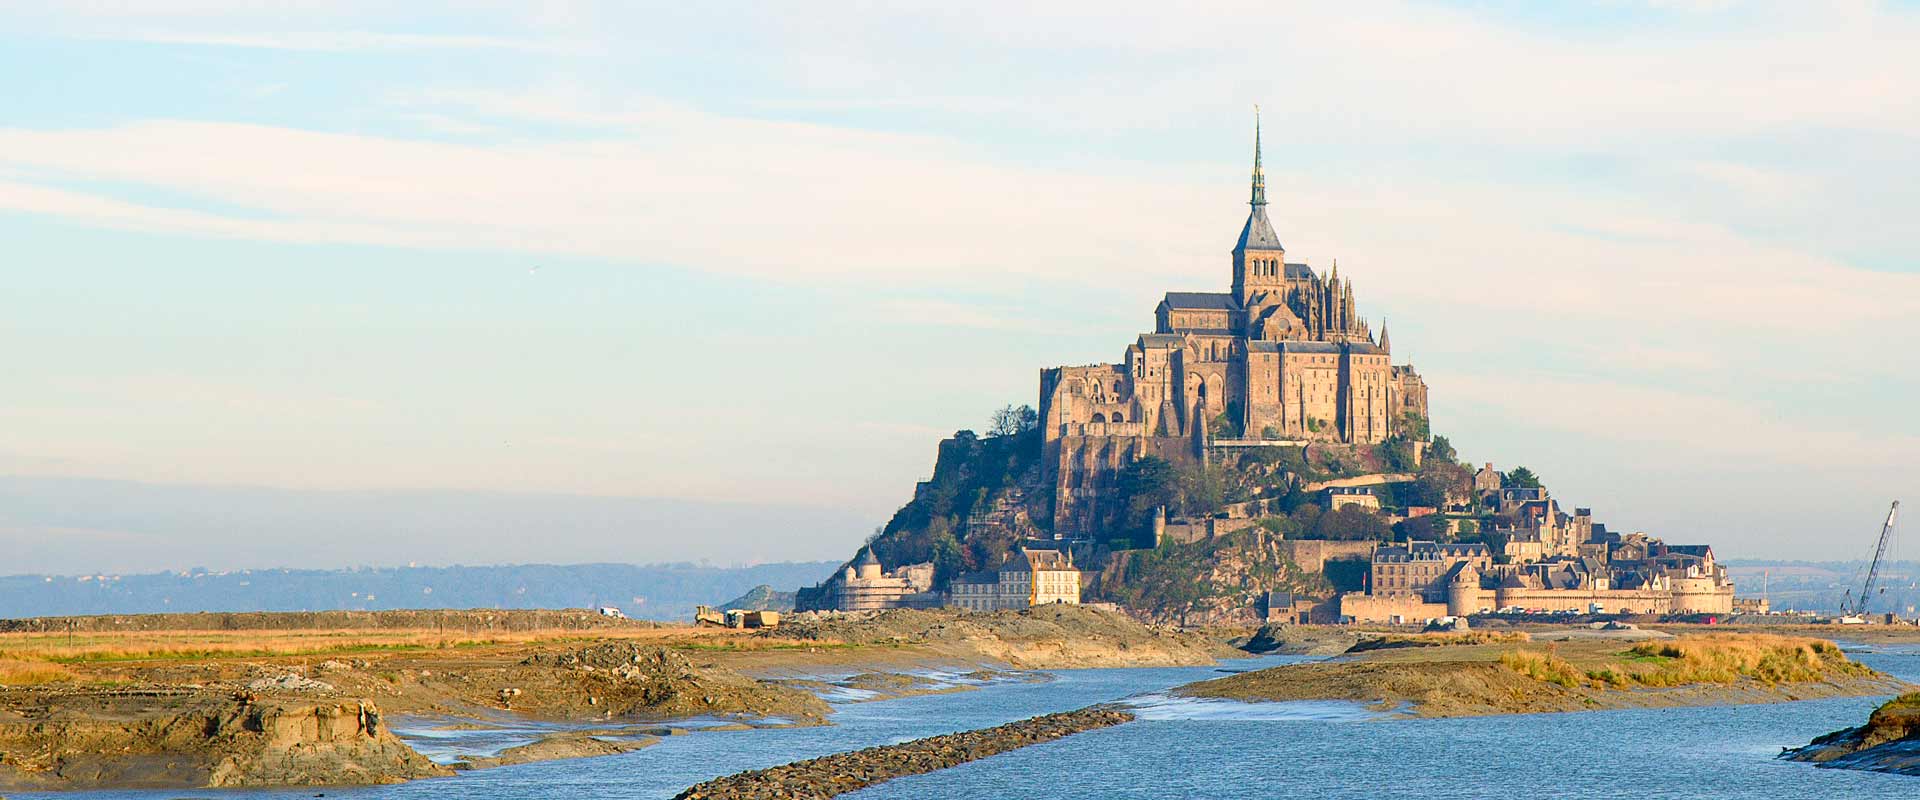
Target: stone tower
[(1259, 262)]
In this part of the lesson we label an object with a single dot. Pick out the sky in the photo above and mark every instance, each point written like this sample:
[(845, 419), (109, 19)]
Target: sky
[(764, 256)]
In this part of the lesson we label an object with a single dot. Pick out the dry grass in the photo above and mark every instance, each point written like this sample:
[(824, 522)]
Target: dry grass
[(33, 673), (1539, 666), (1727, 658), (1718, 658), (60, 648)]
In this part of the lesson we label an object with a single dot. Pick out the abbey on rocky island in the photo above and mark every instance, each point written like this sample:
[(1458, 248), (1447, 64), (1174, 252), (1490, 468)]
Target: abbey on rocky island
[(1283, 358)]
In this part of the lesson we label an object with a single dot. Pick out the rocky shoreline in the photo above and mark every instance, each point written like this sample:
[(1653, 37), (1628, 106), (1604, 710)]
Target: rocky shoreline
[(1889, 742), (837, 774)]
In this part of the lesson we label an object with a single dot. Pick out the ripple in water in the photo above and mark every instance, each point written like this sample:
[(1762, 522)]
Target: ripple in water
[(1164, 707)]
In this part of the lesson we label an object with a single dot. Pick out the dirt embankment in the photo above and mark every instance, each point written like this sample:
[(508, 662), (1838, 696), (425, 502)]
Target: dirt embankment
[(1889, 742), (161, 738), (1482, 679), (1043, 637), (830, 776)]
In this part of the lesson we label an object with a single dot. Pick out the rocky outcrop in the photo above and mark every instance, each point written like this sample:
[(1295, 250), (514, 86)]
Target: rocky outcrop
[(554, 747), (1889, 742), (1298, 641), (617, 679), (179, 738), (837, 774)]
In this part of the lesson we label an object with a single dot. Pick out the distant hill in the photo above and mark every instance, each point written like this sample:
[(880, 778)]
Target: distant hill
[(761, 598), (655, 591), (1822, 585)]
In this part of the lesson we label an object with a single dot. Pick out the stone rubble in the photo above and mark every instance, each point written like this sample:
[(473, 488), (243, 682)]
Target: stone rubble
[(840, 773)]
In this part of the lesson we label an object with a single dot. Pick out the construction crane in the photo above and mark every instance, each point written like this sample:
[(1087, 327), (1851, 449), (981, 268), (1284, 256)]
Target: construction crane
[(1859, 606)]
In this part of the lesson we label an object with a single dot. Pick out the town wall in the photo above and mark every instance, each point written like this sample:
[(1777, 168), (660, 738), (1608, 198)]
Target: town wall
[(1312, 555), (1408, 608)]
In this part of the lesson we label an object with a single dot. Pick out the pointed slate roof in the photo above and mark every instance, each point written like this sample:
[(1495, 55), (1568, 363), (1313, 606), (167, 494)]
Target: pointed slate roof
[(1258, 233)]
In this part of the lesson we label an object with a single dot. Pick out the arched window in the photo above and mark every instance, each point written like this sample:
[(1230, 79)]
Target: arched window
[(1099, 417), (1119, 417)]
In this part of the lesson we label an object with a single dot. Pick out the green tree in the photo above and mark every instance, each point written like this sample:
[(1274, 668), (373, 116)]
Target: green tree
[(1442, 450), (1202, 490), (1429, 528), (1145, 486), (1352, 524), (1414, 426), (1399, 454), (949, 560), (1519, 478)]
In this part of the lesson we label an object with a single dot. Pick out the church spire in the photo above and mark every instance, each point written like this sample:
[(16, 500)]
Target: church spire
[(1385, 344), (1259, 178)]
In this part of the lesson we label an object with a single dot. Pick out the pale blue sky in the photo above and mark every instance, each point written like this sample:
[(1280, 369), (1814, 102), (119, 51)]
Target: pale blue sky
[(1659, 252)]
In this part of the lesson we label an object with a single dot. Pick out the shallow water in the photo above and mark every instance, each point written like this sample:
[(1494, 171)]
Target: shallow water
[(1210, 748)]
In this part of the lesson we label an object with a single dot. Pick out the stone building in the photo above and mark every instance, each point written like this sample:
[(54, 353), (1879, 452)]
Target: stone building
[(1613, 573), (1422, 568), (1030, 578), (1282, 355), (864, 585), (1339, 497), (1486, 480)]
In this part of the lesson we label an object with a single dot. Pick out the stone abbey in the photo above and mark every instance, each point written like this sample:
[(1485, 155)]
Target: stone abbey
[(1281, 358)]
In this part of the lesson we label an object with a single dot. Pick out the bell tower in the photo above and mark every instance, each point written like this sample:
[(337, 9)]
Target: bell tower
[(1259, 262)]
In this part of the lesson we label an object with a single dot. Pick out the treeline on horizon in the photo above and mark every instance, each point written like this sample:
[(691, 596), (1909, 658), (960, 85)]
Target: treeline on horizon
[(649, 591)]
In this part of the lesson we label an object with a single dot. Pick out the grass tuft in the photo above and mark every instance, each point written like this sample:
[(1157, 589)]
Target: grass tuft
[(1542, 667)]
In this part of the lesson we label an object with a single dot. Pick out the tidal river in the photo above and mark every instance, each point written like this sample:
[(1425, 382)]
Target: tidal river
[(1231, 750)]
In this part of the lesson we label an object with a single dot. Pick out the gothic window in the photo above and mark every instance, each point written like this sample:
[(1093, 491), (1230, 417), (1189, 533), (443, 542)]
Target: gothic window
[(1118, 417)]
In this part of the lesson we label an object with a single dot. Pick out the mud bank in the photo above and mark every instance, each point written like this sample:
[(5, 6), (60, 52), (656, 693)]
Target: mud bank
[(830, 776), (1486, 679)]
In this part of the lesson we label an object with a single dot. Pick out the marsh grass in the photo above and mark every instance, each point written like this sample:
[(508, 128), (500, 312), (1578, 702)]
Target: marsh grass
[(1715, 658), (1539, 666)]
